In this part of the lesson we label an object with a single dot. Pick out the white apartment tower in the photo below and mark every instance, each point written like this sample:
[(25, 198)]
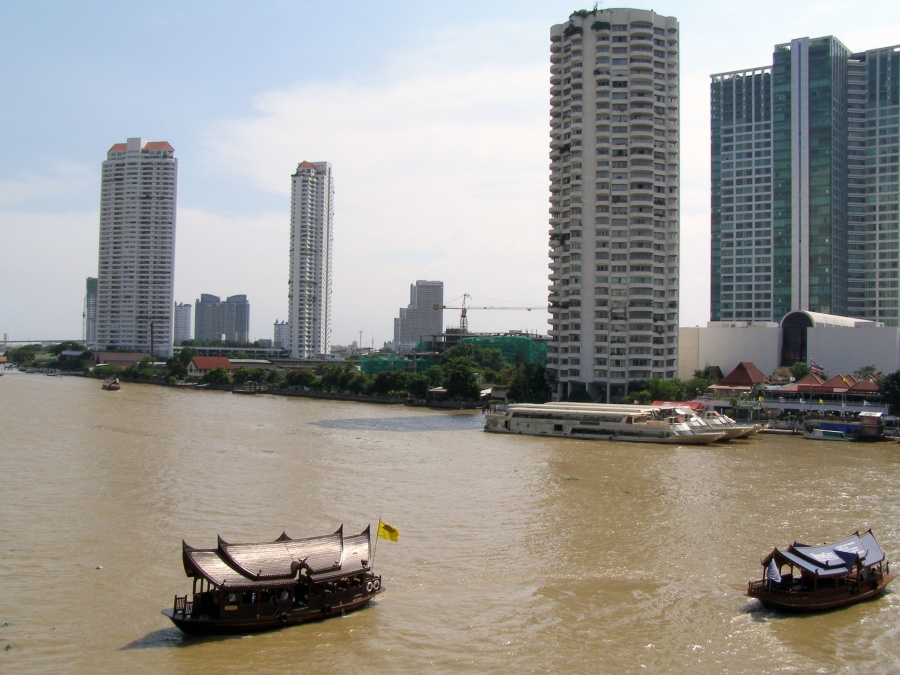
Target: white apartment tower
[(309, 286), (614, 210), (136, 276)]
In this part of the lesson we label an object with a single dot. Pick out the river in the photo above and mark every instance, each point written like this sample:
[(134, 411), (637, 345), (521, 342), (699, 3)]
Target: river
[(533, 554)]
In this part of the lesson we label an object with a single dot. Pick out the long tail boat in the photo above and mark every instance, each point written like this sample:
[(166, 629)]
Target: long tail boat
[(805, 578), (242, 588)]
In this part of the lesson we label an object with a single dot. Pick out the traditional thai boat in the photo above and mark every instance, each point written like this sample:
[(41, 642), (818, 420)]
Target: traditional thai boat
[(111, 384), (806, 578), (598, 421), (242, 588)]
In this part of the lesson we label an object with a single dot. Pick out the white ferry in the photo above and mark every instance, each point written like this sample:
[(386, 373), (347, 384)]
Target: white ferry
[(598, 421)]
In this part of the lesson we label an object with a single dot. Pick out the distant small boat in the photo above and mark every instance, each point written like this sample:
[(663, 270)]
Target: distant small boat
[(820, 434), (111, 384), (242, 588), (823, 577)]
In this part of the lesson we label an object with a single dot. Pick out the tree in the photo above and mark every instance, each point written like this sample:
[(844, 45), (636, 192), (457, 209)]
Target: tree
[(240, 375), (865, 371), (215, 376), (800, 370), (890, 389), (460, 382)]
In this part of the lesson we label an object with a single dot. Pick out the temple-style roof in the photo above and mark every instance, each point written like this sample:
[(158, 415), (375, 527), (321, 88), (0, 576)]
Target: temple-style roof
[(830, 560), (276, 563)]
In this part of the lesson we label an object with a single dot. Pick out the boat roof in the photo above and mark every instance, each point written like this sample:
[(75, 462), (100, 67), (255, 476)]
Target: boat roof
[(831, 560), (277, 563)]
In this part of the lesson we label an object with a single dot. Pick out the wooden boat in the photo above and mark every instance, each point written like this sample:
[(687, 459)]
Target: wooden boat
[(823, 577), (598, 421), (820, 434), (111, 384), (242, 588)]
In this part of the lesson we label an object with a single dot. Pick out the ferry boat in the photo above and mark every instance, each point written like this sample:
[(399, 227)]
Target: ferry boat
[(732, 428), (597, 421), (242, 588), (806, 578), (111, 384)]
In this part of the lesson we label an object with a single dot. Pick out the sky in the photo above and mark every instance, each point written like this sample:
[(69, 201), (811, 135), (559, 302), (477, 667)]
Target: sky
[(434, 116)]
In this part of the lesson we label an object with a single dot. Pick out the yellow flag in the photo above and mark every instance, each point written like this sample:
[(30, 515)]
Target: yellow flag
[(385, 531)]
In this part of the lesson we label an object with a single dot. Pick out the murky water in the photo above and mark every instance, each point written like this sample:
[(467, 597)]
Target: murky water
[(515, 553)]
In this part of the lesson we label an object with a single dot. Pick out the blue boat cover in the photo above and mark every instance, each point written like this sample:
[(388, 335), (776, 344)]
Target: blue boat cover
[(830, 560)]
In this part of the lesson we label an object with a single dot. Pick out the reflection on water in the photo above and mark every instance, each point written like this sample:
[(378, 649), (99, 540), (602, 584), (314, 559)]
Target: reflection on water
[(422, 423), (516, 552)]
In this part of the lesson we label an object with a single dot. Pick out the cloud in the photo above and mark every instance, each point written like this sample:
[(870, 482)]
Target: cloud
[(59, 179), (436, 178)]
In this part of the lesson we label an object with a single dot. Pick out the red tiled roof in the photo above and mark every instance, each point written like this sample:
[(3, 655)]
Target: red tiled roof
[(306, 165), (159, 145), (745, 374), (865, 384), (812, 379), (119, 147), (210, 362)]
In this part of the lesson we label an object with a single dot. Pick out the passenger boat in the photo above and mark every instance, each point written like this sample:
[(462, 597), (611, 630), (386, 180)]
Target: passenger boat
[(732, 428), (823, 577), (111, 384), (242, 588), (820, 434), (597, 421)]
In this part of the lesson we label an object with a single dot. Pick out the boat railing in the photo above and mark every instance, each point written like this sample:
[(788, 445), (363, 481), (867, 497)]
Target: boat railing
[(771, 589), (183, 606)]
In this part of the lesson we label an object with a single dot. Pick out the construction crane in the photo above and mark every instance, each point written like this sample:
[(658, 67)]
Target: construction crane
[(463, 308)]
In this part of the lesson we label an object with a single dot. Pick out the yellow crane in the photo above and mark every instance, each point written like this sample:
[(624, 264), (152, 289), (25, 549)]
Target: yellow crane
[(463, 308)]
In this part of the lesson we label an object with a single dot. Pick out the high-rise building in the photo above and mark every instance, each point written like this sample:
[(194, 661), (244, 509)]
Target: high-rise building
[(182, 322), (135, 282), (281, 334), (805, 185), (90, 312), (423, 317), (207, 326), (217, 320), (614, 209), (309, 284)]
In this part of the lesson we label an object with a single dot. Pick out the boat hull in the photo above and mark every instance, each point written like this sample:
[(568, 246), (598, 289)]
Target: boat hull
[(815, 601), (207, 625)]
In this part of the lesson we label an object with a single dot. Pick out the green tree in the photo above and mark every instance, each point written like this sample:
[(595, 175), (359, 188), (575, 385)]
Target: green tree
[(241, 375), (300, 379), (215, 376), (460, 382), (890, 389), (865, 371), (799, 370)]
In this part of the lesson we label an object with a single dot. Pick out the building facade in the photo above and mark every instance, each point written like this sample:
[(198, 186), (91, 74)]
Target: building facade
[(90, 312), (805, 185), (182, 322), (423, 316), (281, 333), (309, 283), (136, 276), (614, 204), (218, 320)]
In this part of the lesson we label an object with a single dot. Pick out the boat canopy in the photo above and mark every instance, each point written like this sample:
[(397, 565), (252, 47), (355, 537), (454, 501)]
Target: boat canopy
[(830, 560), (277, 563)]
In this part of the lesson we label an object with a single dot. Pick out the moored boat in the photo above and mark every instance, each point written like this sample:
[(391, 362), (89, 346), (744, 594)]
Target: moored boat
[(111, 384), (597, 421), (806, 578), (242, 588)]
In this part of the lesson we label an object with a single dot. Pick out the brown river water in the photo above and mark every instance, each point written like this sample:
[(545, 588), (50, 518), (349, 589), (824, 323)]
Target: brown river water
[(532, 554)]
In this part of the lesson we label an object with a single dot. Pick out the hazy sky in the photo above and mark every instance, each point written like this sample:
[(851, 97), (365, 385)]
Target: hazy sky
[(434, 116)]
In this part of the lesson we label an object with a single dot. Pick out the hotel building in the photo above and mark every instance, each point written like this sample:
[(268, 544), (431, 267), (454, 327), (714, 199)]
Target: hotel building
[(614, 205), (309, 283), (136, 276), (805, 185)]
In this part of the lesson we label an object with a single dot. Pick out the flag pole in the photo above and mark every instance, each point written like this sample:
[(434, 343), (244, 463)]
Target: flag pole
[(375, 547)]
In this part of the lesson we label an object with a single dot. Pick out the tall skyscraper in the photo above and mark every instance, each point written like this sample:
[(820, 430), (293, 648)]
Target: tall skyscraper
[(614, 210), (90, 312), (182, 322), (206, 318), (217, 320), (309, 285), (136, 278), (805, 185), (423, 317)]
